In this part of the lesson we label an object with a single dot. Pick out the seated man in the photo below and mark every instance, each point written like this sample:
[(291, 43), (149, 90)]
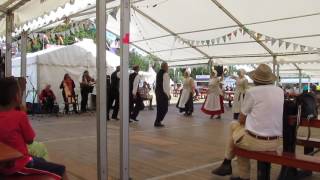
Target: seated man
[(16, 132), (145, 93), (47, 99), (260, 124)]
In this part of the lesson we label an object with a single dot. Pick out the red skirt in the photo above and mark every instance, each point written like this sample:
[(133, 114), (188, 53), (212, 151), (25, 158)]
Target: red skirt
[(217, 112)]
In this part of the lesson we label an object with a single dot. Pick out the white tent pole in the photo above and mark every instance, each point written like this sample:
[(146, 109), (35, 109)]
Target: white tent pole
[(124, 87), (102, 158), (9, 30), (300, 81), (23, 70)]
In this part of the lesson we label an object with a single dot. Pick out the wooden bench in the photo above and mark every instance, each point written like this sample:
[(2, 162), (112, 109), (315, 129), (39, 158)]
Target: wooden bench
[(286, 159)]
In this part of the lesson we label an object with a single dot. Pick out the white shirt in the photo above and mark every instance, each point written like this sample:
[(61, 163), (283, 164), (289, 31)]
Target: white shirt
[(166, 84), (263, 106), (136, 83)]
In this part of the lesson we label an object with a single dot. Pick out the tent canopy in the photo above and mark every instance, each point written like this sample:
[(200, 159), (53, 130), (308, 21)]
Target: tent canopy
[(179, 32)]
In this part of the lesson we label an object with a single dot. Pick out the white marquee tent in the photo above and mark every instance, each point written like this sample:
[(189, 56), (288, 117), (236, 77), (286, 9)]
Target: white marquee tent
[(283, 33), (50, 65)]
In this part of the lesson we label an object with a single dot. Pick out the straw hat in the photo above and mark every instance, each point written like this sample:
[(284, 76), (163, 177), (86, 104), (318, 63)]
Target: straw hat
[(263, 74)]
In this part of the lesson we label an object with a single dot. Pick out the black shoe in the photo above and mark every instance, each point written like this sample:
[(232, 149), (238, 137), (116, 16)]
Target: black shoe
[(303, 174), (130, 121), (237, 178), (218, 117), (224, 169), (158, 124), (151, 108), (135, 120), (115, 118)]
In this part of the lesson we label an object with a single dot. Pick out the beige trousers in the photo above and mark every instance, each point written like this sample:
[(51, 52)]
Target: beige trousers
[(238, 137)]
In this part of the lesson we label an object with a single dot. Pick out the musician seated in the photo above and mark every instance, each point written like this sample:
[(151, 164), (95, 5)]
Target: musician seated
[(145, 93), (69, 96), (47, 99)]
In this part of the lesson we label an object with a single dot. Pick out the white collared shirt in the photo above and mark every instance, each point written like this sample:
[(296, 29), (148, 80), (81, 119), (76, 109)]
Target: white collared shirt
[(136, 83), (166, 83), (263, 106)]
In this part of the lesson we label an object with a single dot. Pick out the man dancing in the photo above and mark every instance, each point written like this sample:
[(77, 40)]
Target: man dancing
[(162, 94)]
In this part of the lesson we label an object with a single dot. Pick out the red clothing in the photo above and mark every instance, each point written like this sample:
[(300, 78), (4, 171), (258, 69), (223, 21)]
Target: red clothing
[(16, 131), (47, 94)]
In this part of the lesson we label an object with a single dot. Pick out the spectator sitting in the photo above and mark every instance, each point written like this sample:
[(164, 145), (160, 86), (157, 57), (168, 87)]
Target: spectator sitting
[(145, 93), (47, 99), (16, 132)]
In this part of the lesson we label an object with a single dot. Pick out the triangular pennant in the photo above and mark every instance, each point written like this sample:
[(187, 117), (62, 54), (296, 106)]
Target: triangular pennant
[(295, 46), (203, 43), (192, 42), (267, 39), (53, 35), (218, 40), (240, 30), (287, 44), (76, 29), (224, 38), (302, 48), (208, 42), (259, 36), (114, 12), (212, 41), (235, 33), (197, 43), (280, 43), (310, 49), (273, 41), (229, 36)]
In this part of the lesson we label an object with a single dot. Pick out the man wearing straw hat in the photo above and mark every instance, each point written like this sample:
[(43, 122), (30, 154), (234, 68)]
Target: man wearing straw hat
[(260, 122)]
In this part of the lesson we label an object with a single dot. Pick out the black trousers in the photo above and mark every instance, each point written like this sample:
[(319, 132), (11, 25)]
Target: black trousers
[(114, 97), (41, 164), (84, 99), (162, 106), (135, 106)]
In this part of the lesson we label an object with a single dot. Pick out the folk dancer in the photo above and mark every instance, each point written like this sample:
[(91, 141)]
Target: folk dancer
[(213, 104), (162, 94)]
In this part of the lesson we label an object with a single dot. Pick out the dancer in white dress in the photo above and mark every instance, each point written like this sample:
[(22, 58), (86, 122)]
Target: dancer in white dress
[(185, 102), (213, 104), (241, 88)]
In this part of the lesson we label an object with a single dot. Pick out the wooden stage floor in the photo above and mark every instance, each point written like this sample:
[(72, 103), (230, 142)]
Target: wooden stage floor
[(187, 148)]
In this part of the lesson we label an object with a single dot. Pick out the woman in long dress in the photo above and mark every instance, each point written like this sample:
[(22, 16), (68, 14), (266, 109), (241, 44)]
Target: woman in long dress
[(241, 88), (185, 102), (213, 104), (69, 96)]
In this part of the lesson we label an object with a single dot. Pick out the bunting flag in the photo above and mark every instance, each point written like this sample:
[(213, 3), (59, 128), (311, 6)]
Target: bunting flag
[(218, 40), (287, 45), (240, 30), (114, 13), (259, 36), (267, 39), (224, 38), (203, 43), (295, 46), (208, 42), (192, 42), (229, 36), (212, 42), (235, 33), (280, 42), (273, 41), (302, 48)]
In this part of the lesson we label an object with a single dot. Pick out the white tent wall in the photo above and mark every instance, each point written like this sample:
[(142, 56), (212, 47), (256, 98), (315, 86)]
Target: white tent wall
[(49, 66)]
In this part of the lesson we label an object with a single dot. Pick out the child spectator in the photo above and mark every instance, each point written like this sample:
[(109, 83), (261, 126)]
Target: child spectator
[(16, 132)]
